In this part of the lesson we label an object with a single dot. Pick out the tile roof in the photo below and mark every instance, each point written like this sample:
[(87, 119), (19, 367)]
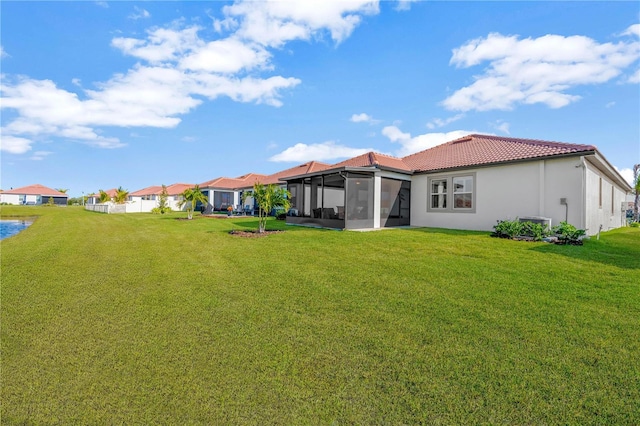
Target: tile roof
[(178, 188), (36, 189), (244, 181), (371, 159), (474, 150), (149, 190), (301, 169)]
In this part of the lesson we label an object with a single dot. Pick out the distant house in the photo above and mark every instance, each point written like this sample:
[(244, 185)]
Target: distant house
[(95, 198), (468, 183), (224, 192), (33, 195)]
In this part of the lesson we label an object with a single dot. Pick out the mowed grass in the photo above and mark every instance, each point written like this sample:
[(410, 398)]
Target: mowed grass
[(145, 319)]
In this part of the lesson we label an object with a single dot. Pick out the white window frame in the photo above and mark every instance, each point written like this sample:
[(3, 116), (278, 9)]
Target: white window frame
[(450, 193)]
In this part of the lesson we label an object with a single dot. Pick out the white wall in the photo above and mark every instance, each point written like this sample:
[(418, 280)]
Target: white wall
[(601, 209), (507, 192), (138, 205), (10, 198)]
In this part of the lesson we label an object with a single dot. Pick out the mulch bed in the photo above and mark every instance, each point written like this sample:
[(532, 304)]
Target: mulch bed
[(253, 234)]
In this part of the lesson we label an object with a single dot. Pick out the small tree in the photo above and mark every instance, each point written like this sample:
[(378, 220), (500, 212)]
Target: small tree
[(268, 197), (50, 202), (163, 205), (121, 195), (190, 198)]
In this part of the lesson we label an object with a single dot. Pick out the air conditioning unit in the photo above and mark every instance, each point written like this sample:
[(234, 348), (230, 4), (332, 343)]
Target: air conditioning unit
[(545, 221)]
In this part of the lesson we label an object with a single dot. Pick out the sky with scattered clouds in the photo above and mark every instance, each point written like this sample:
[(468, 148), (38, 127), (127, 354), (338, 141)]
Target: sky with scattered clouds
[(96, 95)]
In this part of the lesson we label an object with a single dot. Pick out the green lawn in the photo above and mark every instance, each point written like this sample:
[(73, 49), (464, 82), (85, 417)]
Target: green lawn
[(143, 319)]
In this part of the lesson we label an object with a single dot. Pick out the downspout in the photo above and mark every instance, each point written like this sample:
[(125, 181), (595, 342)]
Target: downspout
[(583, 203)]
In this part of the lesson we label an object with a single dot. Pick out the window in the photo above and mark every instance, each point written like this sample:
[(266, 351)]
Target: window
[(463, 192), (612, 200), (439, 194), (453, 193), (600, 194)]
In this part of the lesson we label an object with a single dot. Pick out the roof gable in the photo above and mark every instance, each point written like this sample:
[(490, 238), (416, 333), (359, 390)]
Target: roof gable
[(374, 159), (475, 150)]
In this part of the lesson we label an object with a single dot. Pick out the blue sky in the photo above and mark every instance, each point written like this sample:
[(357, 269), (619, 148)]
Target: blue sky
[(97, 95)]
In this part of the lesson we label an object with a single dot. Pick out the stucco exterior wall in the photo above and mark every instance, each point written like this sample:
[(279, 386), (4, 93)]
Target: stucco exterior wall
[(507, 192), (604, 200), (10, 198)]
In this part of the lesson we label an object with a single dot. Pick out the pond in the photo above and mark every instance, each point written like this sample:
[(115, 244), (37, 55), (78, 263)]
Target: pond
[(11, 227)]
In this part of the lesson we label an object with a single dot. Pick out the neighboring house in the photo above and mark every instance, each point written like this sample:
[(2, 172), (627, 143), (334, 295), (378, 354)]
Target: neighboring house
[(95, 198), (469, 183), (33, 195), (278, 179), (144, 200), (224, 192)]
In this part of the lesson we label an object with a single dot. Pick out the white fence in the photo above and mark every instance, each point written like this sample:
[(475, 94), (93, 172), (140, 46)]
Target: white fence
[(106, 208)]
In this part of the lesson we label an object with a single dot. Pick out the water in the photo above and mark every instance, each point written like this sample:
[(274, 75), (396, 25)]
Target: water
[(9, 228)]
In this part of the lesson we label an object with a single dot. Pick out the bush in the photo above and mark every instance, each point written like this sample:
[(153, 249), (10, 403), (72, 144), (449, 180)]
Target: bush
[(568, 234), (515, 228), (507, 229), (537, 231), (634, 224)]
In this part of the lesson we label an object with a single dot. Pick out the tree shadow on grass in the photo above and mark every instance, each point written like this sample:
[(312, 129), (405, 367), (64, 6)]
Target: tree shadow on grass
[(614, 251)]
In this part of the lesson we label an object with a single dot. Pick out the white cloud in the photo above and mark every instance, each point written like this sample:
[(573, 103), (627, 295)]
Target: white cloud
[(360, 118), (139, 13), (102, 4), (627, 174), (633, 30), (3, 53), (404, 5), (177, 69), (14, 145), (610, 104), (412, 144), (540, 70), (634, 78), (324, 151), (501, 125), (274, 23), (438, 122), (40, 155), (363, 118)]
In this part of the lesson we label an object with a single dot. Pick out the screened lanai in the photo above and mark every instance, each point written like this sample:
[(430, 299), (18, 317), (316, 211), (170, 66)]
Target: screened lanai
[(350, 199)]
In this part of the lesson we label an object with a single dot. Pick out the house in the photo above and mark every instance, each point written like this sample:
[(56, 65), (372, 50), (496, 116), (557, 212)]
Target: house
[(278, 179), (224, 192), (146, 199), (469, 183), (140, 201), (33, 195), (95, 197)]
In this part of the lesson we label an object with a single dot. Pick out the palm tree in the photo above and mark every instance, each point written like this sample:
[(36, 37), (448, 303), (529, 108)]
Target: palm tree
[(121, 195), (267, 197), (63, 190), (190, 197), (104, 197)]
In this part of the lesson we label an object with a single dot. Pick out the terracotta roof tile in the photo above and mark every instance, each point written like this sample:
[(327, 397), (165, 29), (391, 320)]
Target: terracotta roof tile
[(36, 189), (371, 159), (475, 150), (301, 169), (150, 190), (178, 188)]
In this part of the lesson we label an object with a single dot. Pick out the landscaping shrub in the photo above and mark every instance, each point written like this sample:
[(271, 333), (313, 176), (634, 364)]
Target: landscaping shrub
[(568, 234), (507, 228), (537, 231)]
